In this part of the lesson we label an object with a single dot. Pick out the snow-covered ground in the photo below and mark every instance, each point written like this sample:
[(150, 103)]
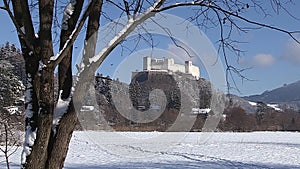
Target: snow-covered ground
[(110, 150)]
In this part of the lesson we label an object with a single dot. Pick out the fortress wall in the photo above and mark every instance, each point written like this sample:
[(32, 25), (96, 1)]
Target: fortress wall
[(194, 70), (169, 65), (177, 68), (157, 64)]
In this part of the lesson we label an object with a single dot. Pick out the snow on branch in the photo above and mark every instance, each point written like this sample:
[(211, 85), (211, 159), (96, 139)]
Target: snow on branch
[(55, 60), (68, 12), (180, 4), (132, 23), (60, 109), (66, 45), (122, 34)]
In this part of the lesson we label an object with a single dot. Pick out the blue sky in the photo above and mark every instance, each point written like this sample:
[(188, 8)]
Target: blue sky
[(273, 57)]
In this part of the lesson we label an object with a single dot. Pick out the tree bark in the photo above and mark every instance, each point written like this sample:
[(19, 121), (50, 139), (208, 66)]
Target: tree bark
[(30, 54), (92, 30), (68, 122), (62, 139), (65, 66), (59, 141), (46, 93)]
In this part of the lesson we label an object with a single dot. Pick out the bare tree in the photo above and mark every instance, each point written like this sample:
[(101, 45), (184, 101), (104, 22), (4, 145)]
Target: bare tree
[(10, 137), (6, 149), (49, 126)]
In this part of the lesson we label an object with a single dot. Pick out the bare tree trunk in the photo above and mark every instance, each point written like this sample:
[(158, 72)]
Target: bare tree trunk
[(46, 93), (59, 141), (30, 54), (65, 66), (62, 139), (68, 122), (51, 149)]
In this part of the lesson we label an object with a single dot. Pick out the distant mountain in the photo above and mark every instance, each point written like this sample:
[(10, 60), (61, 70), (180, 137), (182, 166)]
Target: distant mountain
[(287, 93), (287, 96)]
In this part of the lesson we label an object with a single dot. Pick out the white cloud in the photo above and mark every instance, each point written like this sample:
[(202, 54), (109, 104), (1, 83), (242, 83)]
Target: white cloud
[(292, 52), (263, 60), (243, 61)]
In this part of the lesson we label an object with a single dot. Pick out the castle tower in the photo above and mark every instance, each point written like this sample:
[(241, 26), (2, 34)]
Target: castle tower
[(147, 63), (188, 65)]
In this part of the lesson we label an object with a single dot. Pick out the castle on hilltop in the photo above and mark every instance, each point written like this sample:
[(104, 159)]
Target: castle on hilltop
[(168, 65)]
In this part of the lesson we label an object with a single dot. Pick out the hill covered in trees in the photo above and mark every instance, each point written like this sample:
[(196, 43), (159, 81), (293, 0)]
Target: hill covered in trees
[(181, 94), (239, 114), (158, 98)]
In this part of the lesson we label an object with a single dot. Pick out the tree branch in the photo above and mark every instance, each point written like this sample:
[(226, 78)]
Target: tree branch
[(236, 15), (17, 25), (27, 22), (127, 29), (169, 33), (115, 4), (127, 9), (231, 12), (137, 8), (290, 33), (55, 60), (176, 5)]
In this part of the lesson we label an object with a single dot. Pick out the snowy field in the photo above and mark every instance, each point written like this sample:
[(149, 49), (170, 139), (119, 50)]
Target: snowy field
[(139, 150)]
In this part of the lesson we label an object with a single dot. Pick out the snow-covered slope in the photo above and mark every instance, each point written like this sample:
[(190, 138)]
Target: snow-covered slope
[(111, 150), (273, 106)]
